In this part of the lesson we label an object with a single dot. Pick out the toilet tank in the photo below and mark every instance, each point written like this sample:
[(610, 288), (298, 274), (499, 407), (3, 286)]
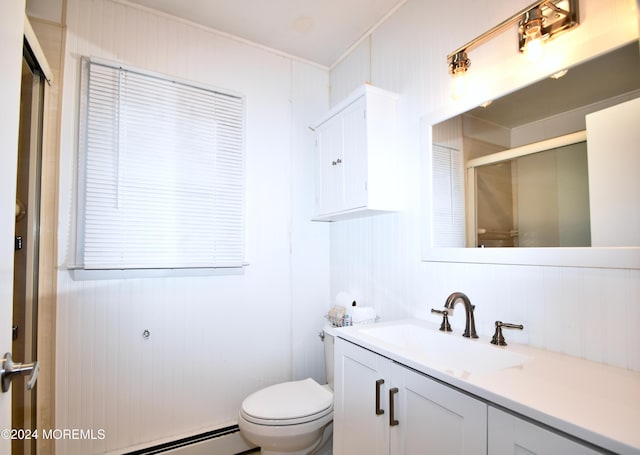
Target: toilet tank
[(329, 335)]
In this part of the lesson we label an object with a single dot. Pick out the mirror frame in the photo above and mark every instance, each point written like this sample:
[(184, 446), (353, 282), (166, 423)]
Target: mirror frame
[(592, 257)]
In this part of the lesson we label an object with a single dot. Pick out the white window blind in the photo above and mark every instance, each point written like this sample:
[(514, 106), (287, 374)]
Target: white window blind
[(161, 173), (448, 197)]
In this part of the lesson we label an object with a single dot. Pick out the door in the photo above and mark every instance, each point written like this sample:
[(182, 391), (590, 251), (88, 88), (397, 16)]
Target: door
[(360, 421), (27, 223), (434, 419), (509, 434), (329, 187), (11, 42), (355, 151), (613, 161), (342, 160)]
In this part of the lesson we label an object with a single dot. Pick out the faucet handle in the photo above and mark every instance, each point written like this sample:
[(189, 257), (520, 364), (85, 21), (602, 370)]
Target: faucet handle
[(445, 326), (498, 338)]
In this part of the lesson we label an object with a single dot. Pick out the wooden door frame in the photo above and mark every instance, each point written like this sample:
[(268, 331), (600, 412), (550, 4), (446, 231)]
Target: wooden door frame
[(50, 39)]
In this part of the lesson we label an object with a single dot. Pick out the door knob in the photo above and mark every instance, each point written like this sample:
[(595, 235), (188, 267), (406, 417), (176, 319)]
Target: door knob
[(10, 369)]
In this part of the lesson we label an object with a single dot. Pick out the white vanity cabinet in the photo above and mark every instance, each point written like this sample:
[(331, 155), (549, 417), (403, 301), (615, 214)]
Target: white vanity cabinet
[(434, 418), (357, 428), (356, 172), (509, 434), (412, 415)]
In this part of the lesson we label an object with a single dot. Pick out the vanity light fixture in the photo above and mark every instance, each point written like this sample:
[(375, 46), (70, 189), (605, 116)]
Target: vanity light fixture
[(458, 66), (537, 23)]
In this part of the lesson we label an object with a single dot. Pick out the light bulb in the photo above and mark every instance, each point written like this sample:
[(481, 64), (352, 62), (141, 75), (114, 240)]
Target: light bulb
[(458, 65), (533, 49), (459, 85), (531, 31)]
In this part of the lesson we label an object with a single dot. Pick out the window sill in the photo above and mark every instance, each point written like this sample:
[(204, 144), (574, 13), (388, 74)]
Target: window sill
[(78, 274)]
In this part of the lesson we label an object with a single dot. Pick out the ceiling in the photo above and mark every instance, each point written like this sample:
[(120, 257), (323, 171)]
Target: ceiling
[(320, 31)]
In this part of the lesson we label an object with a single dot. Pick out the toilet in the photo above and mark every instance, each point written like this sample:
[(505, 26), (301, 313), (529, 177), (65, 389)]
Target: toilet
[(291, 418)]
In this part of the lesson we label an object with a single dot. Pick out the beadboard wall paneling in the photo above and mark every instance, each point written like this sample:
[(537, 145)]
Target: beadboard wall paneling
[(590, 313), (351, 72), (213, 340), (309, 241)]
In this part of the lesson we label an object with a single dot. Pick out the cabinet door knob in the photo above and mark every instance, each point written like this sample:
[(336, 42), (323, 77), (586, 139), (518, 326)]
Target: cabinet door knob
[(392, 418), (379, 411)]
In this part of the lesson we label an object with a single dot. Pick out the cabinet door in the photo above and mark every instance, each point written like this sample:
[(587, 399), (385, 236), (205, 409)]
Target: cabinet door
[(357, 428), (509, 435), (434, 419), (329, 169), (354, 162)]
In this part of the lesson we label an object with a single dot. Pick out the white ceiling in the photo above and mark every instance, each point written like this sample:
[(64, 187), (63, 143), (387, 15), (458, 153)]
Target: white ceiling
[(320, 31)]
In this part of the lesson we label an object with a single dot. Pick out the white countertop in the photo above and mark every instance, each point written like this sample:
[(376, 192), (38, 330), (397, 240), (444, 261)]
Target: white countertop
[(597, 403)]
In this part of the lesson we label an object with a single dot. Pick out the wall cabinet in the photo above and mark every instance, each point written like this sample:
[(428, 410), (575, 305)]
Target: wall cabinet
[(509, 434), (382, 407), (356, 170)]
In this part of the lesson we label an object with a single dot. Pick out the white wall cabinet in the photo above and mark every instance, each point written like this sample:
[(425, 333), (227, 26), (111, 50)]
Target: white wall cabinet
[(412, 414), (356, 156), (510, 435)]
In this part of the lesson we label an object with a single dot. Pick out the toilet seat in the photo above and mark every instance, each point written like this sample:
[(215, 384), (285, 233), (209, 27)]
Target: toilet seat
[(288, 403)]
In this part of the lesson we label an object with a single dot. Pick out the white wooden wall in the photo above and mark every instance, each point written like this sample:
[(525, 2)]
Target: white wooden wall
[(213, 339), (591, 313)]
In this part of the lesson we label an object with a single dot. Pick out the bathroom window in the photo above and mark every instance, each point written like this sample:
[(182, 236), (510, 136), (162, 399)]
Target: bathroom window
[(161, 173)]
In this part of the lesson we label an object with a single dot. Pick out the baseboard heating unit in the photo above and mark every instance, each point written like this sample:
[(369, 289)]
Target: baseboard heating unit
[(222, 441)]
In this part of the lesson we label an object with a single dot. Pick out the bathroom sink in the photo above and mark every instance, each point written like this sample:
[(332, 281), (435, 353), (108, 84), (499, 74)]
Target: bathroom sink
[(448, 351)]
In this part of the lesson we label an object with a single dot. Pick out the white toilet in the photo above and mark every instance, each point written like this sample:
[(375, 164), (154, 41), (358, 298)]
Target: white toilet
[(291, 418)]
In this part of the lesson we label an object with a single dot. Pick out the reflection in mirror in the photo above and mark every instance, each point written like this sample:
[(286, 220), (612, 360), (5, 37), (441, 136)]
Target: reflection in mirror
[(539, 199), (505, 204)]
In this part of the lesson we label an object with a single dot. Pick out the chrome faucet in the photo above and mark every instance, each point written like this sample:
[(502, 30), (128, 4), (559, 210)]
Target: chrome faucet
[(470, 327)]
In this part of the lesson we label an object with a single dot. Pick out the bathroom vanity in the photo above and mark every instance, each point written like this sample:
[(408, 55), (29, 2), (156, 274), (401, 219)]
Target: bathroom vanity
[(402, 387)]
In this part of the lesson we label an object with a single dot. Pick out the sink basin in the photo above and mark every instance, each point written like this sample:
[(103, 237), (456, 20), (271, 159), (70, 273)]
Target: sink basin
[(448, 351)]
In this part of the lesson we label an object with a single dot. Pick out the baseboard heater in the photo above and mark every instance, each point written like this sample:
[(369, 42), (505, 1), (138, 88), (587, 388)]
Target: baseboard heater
[(225, 440)]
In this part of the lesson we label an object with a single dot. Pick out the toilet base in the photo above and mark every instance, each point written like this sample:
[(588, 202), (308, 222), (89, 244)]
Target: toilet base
[(303, 439), (322, 447)]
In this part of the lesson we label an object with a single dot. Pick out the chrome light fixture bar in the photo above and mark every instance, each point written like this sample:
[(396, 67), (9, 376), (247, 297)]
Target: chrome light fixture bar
[(538, 22)]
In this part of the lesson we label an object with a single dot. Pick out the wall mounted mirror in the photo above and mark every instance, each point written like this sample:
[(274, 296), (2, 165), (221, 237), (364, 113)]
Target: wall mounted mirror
[(498, 197)]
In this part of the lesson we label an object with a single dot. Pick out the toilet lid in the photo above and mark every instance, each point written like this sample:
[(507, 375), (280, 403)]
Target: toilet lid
[(288, 400)]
